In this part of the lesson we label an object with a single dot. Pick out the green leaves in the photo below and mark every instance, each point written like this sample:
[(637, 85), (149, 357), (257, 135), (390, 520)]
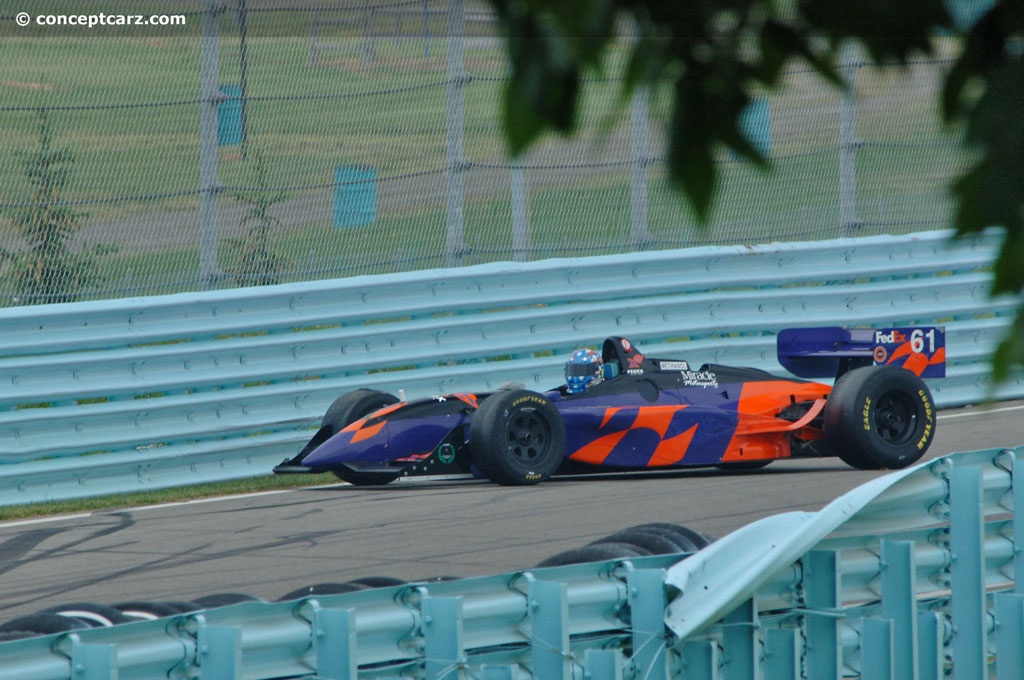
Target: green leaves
[(549, 46), (889, 31), (717, 54), (985, 88)]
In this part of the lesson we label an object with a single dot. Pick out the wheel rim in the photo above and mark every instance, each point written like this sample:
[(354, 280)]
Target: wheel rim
[(529, 436), (895, 418)]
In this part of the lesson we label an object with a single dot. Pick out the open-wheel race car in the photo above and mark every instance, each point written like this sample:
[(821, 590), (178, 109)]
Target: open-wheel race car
[(641, 413)]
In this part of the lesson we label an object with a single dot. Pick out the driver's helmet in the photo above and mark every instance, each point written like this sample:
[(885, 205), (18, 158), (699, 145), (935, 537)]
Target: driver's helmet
[(584, 369)]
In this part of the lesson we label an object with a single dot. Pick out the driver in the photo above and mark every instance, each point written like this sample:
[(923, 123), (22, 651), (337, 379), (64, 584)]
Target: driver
[(583, 370)]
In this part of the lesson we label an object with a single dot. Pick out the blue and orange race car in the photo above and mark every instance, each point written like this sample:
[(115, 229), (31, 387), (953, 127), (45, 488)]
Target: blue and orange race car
[(651, 413)]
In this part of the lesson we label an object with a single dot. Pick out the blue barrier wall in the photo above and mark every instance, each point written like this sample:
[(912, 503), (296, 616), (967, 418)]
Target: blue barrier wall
[(188, 388)]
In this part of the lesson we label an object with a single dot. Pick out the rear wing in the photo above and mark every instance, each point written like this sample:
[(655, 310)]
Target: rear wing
[(832, 351)]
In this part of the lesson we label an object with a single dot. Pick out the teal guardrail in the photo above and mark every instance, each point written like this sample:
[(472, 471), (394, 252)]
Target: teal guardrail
[(915, 575), (121, 395)]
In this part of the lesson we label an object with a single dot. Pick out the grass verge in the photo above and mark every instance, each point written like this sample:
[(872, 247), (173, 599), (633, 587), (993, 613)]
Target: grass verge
[(157, 496)]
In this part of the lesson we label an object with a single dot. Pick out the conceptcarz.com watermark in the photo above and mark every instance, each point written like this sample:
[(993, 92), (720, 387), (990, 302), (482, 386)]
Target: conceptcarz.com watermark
[(24, 20)]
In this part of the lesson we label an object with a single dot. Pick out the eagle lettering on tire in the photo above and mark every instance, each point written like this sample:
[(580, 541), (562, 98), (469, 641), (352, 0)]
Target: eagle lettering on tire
[(879, 417)]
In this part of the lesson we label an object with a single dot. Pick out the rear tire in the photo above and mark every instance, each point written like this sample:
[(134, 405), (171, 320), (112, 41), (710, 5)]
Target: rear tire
[(879, 417), (517, 438), (745, 465)]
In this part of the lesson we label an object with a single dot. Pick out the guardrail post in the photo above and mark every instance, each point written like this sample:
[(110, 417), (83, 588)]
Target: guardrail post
[(929, 638), (899, 603), (604, 664), (739, 641), (1017, 481), (782, 654), (647, 615), (334, 642), (1008, 633), (700, 659), (219, 652), (967, 544), (549, 622), (822, 594), (442, 630), (876, 650), (92, 661)]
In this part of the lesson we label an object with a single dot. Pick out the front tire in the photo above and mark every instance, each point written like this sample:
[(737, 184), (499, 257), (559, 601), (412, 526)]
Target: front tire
[(344, 411), (353, 406), (879, 417), (517, 438)]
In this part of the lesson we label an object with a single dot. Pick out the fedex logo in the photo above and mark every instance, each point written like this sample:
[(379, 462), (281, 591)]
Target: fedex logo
[(925, 340), (893, 337)]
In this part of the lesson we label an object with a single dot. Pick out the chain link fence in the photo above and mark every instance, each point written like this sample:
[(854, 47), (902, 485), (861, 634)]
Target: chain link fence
[(263, 143)]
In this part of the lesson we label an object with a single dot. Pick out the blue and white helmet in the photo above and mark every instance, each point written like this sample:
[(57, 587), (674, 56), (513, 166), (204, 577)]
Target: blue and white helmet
[(584, 369)]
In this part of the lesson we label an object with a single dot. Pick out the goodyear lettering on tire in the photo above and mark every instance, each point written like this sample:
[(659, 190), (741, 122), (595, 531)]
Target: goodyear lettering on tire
[(926, 435), (528, 399)]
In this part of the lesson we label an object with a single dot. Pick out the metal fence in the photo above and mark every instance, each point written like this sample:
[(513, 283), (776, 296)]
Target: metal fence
[(913, 576), (269, 142)]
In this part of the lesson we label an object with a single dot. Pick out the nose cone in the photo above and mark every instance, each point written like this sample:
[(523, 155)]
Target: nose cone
[(357, 442), (379, 440)]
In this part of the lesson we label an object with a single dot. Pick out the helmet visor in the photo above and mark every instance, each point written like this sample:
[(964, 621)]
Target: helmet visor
[(582, 370)]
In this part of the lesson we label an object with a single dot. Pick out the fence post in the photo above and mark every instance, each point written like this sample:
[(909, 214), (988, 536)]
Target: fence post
[(520, 211), (640, 236), (209, 186), (848, 65), (456, 76)]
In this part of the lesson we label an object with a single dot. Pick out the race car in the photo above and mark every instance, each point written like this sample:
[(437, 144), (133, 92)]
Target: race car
[(653, 413)]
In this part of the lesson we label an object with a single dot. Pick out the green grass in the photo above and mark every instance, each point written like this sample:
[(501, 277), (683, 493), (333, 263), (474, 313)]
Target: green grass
[(157, 496)]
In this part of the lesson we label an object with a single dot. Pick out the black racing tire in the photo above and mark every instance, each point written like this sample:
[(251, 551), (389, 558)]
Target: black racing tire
[(689, 540), (656, 543), (321, 589), (350, 407), (378, 582), (357, 478), (43, 624), (517, 438), (344, 411), (225, 599), (596, 552), (745, 465), (95, 615), (183, 606), (148, 610), (879, 417)]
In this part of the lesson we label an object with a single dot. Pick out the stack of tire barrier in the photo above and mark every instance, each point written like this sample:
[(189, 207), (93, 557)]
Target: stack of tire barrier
[(645, 539)]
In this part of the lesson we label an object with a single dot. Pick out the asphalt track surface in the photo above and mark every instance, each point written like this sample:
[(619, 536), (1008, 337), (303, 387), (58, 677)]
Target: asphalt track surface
[(272, 543)]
